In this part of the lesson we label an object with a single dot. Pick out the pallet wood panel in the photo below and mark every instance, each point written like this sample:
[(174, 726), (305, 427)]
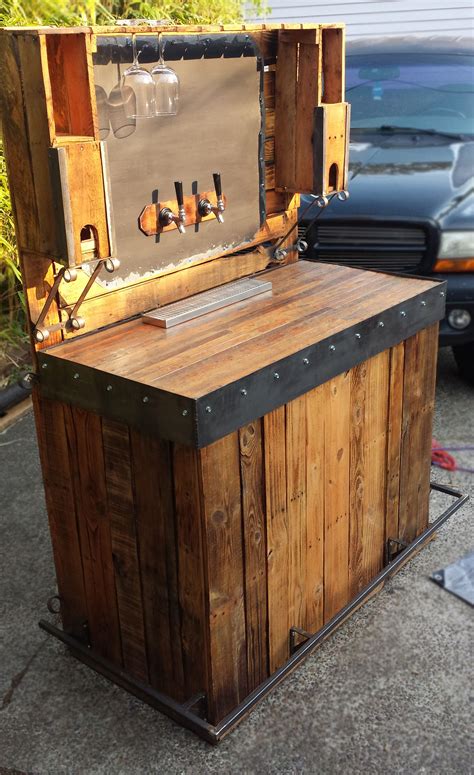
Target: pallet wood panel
[(315, 477)]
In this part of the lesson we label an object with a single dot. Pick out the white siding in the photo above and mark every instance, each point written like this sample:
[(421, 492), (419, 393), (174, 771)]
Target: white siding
[(369, 17)]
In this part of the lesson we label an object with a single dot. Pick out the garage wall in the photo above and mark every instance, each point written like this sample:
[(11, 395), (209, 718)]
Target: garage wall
[(389, 17)]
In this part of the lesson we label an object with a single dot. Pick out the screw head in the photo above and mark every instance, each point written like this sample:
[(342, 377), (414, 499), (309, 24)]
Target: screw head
[(145, 399), (332, 348), (357, 336), (76, 375), (109, 388), (437, 576), (276, 375), (381, 324), (403, 314), (306, 361), (44, 365), (208, 409), (423, 303), (184, 413), (243, 392), (442, 293)]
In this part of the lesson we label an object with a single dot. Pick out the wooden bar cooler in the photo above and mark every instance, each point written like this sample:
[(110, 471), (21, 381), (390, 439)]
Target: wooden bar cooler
[(222, 492)]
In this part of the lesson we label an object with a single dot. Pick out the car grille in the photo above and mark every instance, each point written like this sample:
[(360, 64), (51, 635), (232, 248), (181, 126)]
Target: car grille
[(368, 245)]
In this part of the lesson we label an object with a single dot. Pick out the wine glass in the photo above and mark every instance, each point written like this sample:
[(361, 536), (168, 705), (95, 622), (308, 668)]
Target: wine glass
[(138, 89), (166, 86)]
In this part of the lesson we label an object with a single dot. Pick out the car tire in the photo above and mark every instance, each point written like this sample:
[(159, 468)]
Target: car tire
[(464, 357)]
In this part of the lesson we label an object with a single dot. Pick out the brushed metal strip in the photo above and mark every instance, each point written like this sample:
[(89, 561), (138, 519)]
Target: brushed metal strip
[(208, 301)]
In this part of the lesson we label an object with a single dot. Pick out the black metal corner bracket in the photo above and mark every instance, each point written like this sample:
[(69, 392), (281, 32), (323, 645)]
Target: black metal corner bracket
[(183, 713)]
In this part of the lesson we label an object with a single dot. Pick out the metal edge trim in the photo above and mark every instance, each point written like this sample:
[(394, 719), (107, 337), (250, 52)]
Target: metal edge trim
[(109, 211)]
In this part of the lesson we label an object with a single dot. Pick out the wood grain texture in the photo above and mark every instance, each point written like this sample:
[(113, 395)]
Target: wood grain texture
[(158, 558), (121, 509), (315, 477), (255, 551), (192, 578), (369, 407), (60, 502), (336, 495), (394, 430), (222, 515), (72, 82), (87, 471), (308, 96), (333, 62), (418, 404), (285, 116), (297, 510), (274, 425)]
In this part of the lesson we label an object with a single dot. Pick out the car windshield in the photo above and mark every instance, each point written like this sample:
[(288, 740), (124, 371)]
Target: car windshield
[(420, 91)]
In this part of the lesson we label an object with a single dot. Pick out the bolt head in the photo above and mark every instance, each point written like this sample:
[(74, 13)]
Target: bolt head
[(76, 375), (109, 388), (357, 336), (184, 413), (276, 375), (306, 361), (381, 324), (243, 392), (145, 399), (332, 348), (423, 303), (442, 293), (44, 365), (208, 409), (403, 314)]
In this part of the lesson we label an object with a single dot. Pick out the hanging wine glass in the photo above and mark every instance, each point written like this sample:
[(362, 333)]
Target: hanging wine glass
[(138, 89), (166, 86)]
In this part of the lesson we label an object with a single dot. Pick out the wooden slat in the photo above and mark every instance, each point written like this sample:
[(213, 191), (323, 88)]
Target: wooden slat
[(333, 65), (72, 84), (158, 558), (308, 96), (121, 509), (274, 425), (369, 408), (315, 474), (394, 430), (192, 580), (296, 505), (285, 115), (418, 405), (56, 466), (220, 472), (84, 438), (255, 551), (336, 494)]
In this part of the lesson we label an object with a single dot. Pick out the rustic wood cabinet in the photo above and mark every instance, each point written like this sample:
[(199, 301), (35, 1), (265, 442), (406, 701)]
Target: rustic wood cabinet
[(222, 493)]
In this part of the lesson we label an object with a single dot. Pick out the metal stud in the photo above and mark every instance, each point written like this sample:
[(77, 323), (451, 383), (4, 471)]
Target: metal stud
[(276, 375), (306, 361), (357, 336), (442, 293), (109, 388), (332, 348), (208, 409), (403, 314), (145, 399), (243, 392), (184, 412), (76, 375), (423, 303), (381, 324), (44, 365)]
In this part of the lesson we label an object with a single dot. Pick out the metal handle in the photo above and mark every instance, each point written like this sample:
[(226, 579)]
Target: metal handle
[(178, 185), (217, 184)]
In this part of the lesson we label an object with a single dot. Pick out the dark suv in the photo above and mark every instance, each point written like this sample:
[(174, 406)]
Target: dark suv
[(411, 206)]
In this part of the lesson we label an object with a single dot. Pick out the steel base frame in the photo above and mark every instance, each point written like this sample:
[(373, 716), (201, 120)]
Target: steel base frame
[(183, 712)]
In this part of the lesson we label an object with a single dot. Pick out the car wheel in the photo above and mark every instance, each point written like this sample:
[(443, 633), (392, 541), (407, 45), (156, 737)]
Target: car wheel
[(464, 357)]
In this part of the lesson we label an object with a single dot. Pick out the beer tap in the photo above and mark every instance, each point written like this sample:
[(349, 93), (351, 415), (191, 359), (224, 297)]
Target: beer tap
[(167, 216), (206, 208)]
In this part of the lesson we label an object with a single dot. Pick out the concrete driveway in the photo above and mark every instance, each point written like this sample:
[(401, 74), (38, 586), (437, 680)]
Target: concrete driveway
[(388, 693)]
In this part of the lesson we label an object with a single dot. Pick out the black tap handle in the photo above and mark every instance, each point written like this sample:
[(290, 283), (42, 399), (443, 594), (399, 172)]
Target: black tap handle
[(178, 185), (217, 184)]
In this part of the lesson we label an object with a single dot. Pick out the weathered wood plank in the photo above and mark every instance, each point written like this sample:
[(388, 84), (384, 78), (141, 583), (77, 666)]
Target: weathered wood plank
[(84, 438), (274, 425), (315, 475), (121, 508), (157, 552), (192, 579), (369, 408), (336, 494), (285, 115), (220, 471), (395, 409), (296, 505), (308, 96), (56, 466), (255, 551), (333, 64)]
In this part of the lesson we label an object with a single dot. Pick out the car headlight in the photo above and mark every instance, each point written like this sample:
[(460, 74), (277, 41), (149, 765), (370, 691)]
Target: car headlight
[(456, 252)]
